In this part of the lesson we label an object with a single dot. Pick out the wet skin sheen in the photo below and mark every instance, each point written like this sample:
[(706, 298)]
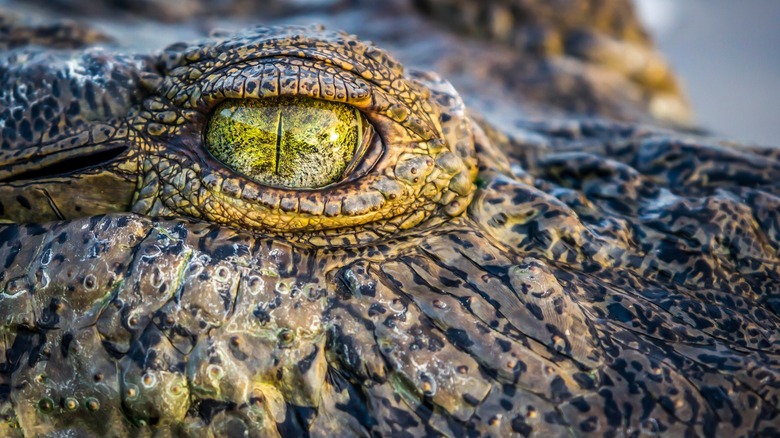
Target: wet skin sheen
[(178, 257)]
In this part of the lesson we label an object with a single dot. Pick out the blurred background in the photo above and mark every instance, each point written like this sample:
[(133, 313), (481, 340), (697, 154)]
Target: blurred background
[(727, 54)]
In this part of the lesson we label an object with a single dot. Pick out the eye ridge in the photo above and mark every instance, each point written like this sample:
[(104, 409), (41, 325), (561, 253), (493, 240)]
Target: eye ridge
[(289, 142)]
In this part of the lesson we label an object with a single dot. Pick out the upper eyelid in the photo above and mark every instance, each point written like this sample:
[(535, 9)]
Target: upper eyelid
[(342, 52), (271, 72), (232, 82)]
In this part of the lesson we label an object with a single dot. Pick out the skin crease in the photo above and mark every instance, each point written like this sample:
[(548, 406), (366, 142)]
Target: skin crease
[(568, 275)]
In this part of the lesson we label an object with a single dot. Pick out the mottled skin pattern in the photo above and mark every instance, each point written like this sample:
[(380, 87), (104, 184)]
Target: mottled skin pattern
[(557, 276)]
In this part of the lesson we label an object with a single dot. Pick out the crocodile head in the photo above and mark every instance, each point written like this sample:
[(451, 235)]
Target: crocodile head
[(456, 277)]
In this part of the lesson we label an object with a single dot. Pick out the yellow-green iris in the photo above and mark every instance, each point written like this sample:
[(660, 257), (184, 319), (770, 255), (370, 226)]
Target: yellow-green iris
[(287, 141)]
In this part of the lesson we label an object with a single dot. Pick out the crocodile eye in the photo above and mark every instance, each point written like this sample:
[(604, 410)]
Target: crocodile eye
[(290, 142), (307, 134)]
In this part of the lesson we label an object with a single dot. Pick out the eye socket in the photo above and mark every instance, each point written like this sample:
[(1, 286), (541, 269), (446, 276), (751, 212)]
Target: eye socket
[(287, 141)]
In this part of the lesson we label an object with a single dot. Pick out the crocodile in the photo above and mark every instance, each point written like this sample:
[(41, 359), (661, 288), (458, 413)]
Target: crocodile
[(550, 250)]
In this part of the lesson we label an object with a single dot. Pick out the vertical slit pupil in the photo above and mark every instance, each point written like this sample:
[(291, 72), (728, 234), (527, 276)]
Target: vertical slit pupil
[(278, 142)]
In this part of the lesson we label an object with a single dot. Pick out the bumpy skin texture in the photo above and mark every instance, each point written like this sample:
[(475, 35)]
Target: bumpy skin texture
[(552, 277)]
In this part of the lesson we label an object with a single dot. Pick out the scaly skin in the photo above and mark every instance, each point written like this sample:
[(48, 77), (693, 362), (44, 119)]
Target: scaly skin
[(550, 277)]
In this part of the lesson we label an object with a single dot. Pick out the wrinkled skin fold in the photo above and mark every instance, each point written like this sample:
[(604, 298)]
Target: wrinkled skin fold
[(556, 277)]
